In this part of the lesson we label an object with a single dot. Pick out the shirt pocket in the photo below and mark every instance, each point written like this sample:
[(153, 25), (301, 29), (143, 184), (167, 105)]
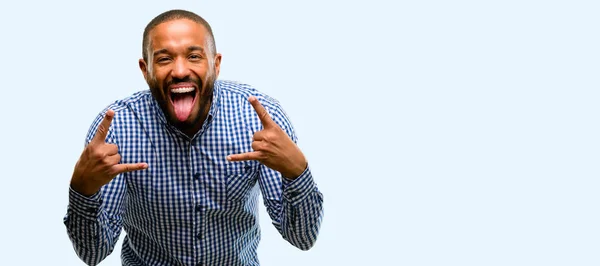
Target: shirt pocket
[(240, 178)]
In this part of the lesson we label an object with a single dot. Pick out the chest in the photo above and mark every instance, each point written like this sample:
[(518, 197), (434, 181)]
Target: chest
[(184, 173)]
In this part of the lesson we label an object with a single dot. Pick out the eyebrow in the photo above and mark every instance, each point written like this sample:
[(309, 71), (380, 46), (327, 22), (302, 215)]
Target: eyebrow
[(195, 48), (190, 49), (161, 51)]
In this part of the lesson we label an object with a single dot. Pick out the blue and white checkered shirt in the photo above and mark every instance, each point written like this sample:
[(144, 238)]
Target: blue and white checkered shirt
[(191, 206)]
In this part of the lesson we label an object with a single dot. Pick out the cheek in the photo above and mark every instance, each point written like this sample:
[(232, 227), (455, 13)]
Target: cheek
[(158, 78), (200, 70), (206, 74)]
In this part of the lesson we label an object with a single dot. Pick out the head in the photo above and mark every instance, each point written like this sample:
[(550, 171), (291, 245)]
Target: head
[(180, 64)]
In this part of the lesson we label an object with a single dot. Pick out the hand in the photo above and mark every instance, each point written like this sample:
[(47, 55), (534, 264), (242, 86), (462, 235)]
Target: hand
[(273, 147), (99, 162)]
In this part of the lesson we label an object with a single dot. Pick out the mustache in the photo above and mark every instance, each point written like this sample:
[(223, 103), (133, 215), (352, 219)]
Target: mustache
[(174, 81)]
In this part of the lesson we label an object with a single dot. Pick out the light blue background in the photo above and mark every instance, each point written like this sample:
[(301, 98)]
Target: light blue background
[(441, 132)]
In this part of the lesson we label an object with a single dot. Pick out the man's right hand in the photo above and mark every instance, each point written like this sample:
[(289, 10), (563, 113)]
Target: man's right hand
[(99, 162)]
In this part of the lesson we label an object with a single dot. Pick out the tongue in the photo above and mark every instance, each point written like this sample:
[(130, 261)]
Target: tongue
[(183, 104)]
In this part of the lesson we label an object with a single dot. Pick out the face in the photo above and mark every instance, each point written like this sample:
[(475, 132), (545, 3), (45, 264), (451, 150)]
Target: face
[(181, 72)]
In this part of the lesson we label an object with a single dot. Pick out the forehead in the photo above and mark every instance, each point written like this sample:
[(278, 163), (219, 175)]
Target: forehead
[(178, 32)]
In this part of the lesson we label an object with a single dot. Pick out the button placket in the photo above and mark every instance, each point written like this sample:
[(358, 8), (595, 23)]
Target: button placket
[(196, 185)]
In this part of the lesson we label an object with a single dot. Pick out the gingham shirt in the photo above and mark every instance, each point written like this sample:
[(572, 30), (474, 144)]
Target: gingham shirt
[(191, 206)]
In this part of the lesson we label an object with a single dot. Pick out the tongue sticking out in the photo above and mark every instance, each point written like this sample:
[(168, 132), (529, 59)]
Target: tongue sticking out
[(183, 104)]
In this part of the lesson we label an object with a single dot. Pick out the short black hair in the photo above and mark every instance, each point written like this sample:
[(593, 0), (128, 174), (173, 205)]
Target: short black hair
[(173, 15)]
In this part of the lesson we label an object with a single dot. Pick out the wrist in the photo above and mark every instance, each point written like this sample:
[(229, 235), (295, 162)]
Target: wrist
[(295, 173), (83, 188)]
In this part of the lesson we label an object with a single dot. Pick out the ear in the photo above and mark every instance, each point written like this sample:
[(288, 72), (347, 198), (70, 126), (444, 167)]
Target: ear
[(217, 64), (144, 68)]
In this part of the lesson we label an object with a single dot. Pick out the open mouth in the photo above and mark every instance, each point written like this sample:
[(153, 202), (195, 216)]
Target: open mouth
[(183, 99)]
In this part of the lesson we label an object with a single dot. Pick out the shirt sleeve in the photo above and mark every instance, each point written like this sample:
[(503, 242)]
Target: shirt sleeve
[(295, 206), (94, 223)]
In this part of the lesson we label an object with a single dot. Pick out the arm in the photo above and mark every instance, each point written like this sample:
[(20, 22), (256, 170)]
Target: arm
[(96, 194), (94, 223), (295, 206), (290, 194)]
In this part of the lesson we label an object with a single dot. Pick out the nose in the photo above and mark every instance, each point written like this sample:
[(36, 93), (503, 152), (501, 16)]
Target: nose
[(180, 69)]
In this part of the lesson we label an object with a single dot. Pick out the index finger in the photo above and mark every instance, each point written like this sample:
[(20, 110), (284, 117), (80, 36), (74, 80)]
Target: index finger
[(102, 130), (253, 155), (261, 111), (128, 167)]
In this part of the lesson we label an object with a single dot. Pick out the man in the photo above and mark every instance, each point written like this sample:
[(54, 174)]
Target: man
[(179, 167)]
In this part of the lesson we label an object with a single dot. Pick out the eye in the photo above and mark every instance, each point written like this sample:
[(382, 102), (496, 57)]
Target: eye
[(163, 59), (195, 57)]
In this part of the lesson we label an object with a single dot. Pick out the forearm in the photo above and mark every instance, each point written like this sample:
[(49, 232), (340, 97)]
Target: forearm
[(302, 211), (89, 228)]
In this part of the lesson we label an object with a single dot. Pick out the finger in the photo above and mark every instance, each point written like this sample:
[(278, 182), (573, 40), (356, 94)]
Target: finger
[(253, 155), (111, 149), (259, 145), (112, 160), (102, 130), (128, 167), (258, 136), (261, 111)]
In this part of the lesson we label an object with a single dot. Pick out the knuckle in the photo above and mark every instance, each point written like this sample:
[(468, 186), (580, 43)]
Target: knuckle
[(107, 161), (101, 129), (115, 159), (97, 153), (113, 148), (266, 137), (271, 136), (258, 135)]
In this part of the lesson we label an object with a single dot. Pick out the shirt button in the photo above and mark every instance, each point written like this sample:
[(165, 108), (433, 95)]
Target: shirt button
[(197, 176), (199, 236), (198, 208)]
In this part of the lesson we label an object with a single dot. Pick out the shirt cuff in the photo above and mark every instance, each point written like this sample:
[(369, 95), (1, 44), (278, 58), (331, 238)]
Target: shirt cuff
[(295, 191), (86, 206)]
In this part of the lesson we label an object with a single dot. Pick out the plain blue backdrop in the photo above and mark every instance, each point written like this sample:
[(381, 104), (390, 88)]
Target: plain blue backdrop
[(440, 132)]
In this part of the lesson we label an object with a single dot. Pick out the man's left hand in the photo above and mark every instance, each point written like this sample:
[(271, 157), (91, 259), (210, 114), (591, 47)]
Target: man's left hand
[(273, 147)]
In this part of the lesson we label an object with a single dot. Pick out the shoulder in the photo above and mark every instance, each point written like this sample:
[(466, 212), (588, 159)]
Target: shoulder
[(131, 103), (233, 90), (126, 110), (236, 94)]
